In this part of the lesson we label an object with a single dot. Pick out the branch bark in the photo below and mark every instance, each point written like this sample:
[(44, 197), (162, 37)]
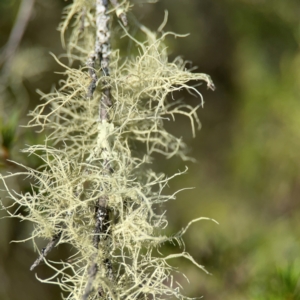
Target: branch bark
[(46, 250), (102, 53), (120, 13)]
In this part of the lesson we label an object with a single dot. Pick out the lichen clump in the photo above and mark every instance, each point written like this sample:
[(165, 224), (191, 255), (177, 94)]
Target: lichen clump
[(87, 159)]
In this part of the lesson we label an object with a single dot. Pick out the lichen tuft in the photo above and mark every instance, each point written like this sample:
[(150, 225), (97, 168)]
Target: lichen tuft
[(87, 159)]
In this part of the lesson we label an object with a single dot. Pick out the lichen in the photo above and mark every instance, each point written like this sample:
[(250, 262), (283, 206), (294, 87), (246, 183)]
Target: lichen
[(85, 159)]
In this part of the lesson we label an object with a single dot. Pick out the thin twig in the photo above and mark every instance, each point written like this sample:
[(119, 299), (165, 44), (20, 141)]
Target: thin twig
[(46, 250), (91, 64), (89, 286), (16, 35), (82, 19), (120, 13)]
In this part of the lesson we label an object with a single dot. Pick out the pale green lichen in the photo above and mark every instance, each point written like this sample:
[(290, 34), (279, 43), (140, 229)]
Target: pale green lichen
[(78, 150)]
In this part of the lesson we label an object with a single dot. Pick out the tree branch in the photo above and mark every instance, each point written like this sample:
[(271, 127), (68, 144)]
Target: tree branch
[(16, 35), (120, 13), (102, 53), (46, 250)]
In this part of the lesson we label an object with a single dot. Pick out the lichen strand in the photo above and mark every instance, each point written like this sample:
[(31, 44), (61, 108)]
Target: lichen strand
[(76, 173)]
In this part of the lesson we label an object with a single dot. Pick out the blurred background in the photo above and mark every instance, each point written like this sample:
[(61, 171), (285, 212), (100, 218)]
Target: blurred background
[(247, 172)]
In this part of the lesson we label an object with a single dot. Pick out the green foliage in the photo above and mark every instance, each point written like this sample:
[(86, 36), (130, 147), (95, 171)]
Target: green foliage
[(8, 131), (281, 284)]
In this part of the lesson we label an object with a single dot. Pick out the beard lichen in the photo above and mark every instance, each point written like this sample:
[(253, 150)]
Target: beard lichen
[(89, 164)]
